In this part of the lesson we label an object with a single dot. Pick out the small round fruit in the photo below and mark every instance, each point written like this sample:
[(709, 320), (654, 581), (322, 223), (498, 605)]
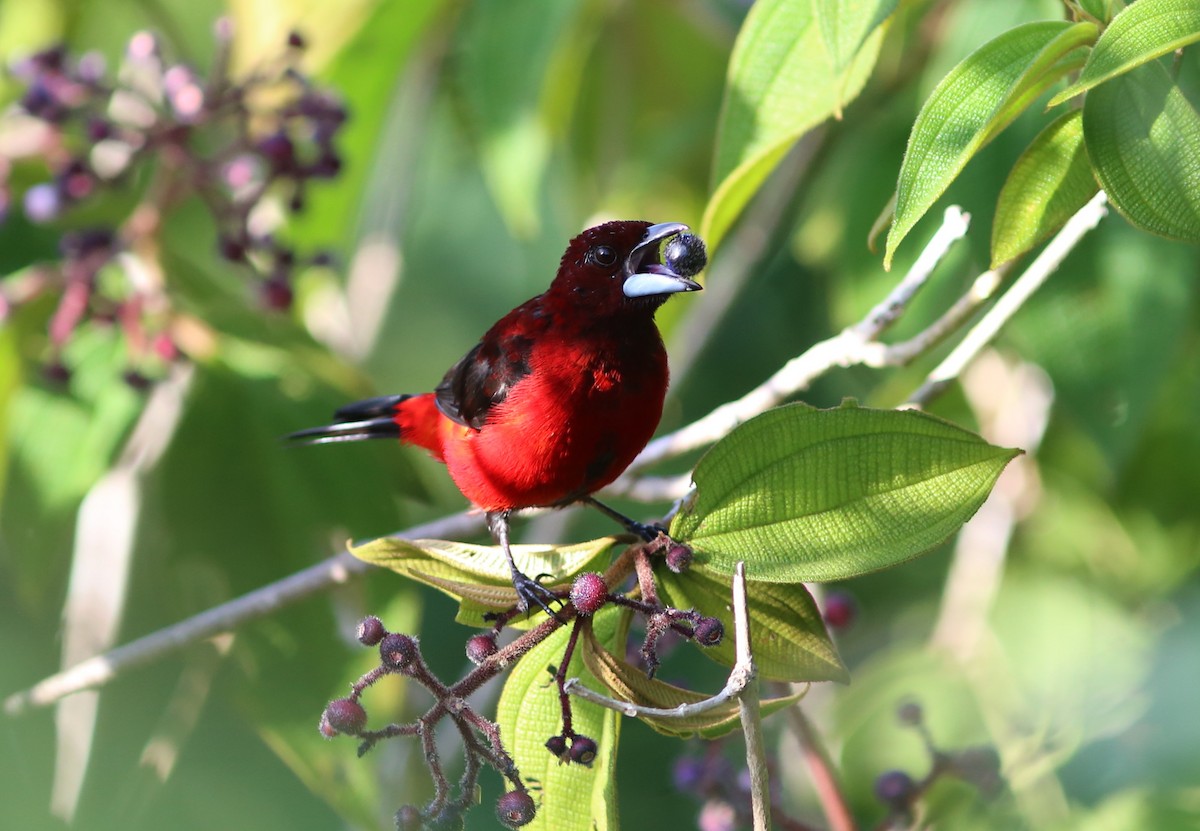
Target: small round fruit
[(345, 716), (589, 593), (515, 809)]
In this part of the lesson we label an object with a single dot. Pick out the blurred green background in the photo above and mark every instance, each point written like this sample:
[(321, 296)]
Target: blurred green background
[(482, 136)]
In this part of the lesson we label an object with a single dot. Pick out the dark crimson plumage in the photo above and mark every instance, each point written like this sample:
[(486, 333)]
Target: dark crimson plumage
[(560, 395)]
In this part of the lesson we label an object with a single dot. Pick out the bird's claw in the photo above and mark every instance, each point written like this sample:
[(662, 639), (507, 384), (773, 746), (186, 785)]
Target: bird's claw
[(530, 593), (648, 533)]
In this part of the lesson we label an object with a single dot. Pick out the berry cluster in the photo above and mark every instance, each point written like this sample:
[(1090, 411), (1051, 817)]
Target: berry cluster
[(158, 131), (900, 793), (400, 654)]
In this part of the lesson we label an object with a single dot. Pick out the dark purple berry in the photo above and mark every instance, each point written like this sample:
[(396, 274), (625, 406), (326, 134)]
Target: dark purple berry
[(408, 818), (327, 166), (909, 713), (896, 789), (840, 610), (709, 631), (295, 40), (345, 716), (480, 648), (279, 151), (370, 631), (679, 557), (589, 593), (397, 651), (515, 809), (583, 751), (686, 255), (276, 294), (231, 249), (557, 745), (56, 372)]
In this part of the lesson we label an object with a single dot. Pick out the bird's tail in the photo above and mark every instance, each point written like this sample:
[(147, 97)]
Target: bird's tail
[(408, 418)]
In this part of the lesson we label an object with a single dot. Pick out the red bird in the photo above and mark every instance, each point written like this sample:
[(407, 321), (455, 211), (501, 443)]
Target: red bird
[(560, 395)]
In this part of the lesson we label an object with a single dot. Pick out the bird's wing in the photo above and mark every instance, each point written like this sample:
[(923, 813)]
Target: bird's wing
[(486, 374)]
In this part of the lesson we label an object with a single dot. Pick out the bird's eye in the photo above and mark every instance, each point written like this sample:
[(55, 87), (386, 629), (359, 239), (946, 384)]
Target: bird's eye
[(603, 255)]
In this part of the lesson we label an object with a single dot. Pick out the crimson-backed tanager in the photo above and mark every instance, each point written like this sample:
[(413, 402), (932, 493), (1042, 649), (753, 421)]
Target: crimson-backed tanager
[(560, 395)]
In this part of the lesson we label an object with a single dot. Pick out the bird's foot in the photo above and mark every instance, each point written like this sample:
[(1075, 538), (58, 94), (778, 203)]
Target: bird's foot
[(648, 533), (531, 593)]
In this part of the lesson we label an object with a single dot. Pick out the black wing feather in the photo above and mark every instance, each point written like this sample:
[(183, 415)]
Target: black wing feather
[(483, 378)]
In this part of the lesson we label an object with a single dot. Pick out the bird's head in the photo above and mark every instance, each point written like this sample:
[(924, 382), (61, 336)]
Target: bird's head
[(628, 265)]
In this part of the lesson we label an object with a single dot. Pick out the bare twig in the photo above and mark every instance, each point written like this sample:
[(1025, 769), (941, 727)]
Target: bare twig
[(1084, 220), (756, 752)]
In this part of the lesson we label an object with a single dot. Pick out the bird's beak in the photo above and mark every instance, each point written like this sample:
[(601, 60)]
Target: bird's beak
[(646, 276)]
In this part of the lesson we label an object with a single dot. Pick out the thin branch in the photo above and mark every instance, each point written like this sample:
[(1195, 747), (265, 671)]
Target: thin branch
[(756, 752), (99, 670), (821, 769), (1084, 220)]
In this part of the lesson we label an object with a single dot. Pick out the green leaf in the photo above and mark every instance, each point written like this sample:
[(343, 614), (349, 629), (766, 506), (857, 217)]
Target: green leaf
[(478, 575), (805, 494), (1050, 182), (972, 104), (788, 635), (1143, 138), (846, 24), (573, 797), (628, 683), (1146, 30), (781, 84)]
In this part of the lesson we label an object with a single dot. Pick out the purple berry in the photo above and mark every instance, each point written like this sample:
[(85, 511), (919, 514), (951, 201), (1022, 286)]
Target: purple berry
[(397, 651), (688, 773), (583, 751), (589, 593), (515, 809), (709, 631), (345, 716), (370, 631), (276, 294), (840, 610), (56, 372), (679, 557), (557, 745), (686, 255), (896, 789), (480, 648)]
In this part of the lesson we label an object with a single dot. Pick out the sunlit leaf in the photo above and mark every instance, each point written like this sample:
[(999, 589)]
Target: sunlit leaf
[(789, 638), (1143, 31), (845, 25), (972, 104), (628, 683), (781, 84), (1143, 138), (805, 494), (1049, 182), (573, 797)]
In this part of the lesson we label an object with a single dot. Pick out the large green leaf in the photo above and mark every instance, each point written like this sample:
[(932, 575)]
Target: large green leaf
[(1143, 31), (805, 494), (628, 683), (1143, 138), (1049, 183), (972, 104), (573, 797), (782, 83), (788, 636), (846, 24)]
